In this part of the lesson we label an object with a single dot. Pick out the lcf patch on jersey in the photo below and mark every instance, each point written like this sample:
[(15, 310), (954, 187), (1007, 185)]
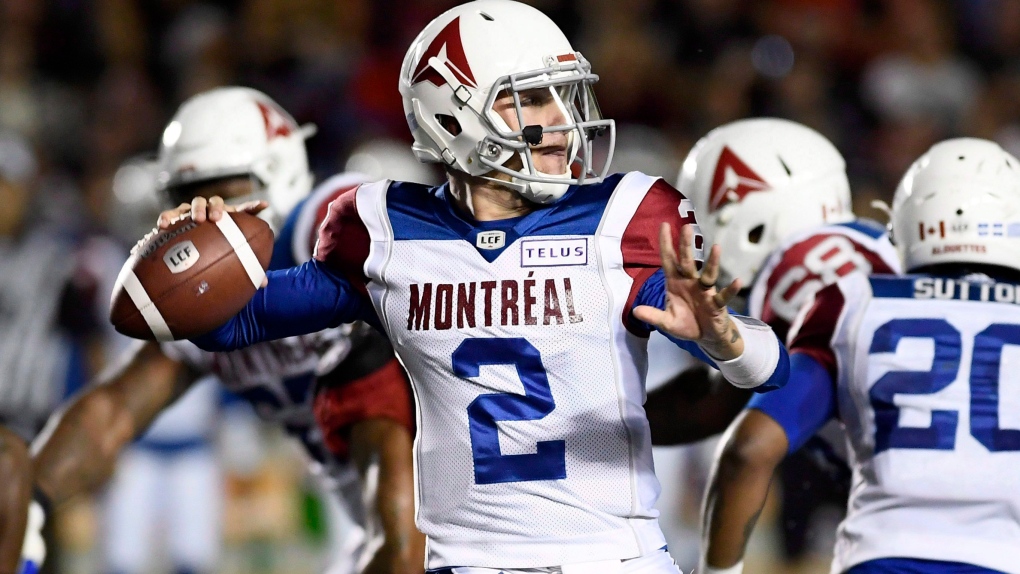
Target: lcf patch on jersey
[(528, 375)]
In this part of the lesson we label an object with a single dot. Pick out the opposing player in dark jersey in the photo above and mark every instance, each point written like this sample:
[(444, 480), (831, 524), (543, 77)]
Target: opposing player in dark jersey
[(237, 143)]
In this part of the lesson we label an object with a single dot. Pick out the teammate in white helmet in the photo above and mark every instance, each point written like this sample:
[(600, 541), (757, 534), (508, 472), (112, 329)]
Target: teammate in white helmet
[(384, 158), (774, 195), (239, 144), (920, 371), (519, 296)]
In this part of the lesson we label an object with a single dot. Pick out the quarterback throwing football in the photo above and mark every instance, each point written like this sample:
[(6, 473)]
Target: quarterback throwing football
[(519, 296)]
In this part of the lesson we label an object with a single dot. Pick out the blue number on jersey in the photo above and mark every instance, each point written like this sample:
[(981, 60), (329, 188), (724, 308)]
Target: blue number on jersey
[(942, 432), (984, 386), (549, 462)]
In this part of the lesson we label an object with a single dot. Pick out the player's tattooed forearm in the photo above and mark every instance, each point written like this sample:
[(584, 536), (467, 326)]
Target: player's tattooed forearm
[(734, 333)]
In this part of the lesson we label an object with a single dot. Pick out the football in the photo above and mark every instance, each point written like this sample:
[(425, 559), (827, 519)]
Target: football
[(190, 278)]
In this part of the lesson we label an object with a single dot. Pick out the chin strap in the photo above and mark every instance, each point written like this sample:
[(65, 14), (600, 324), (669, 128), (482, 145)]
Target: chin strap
[(539, 192), (515, 184), (542, 192)]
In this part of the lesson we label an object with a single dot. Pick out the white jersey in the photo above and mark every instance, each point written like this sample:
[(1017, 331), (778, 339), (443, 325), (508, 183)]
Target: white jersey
[(813, 259), (533, 448), (278, 379), (928, 373)]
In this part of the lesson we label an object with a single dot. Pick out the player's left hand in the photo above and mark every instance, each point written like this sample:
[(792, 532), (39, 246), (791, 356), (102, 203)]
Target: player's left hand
[(695, 307)]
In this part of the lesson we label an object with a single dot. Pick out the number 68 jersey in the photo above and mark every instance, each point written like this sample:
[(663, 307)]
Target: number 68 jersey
[(813, 259), (928, 387)]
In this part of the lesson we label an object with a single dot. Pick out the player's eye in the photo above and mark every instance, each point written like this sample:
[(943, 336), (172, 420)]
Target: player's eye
[(535, 98)]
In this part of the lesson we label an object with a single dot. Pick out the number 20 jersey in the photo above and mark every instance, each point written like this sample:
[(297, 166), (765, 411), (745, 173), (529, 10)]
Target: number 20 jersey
[(928, 373), (533, 448)]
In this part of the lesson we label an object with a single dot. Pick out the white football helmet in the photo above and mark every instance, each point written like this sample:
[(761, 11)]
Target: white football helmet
[(389, 159), (237, 131), (471, 54), (754, 182), (135, 200), (959, 203)]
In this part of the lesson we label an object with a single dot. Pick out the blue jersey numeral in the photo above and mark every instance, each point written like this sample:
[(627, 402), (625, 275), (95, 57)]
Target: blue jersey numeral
[(549, 462), (941, 434), (984, 386)]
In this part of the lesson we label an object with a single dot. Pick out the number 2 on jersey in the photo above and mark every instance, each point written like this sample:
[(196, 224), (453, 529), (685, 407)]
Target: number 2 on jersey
[(549, 462), (984, 386)]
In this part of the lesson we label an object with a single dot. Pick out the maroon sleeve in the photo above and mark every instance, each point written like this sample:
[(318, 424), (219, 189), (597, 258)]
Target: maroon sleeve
[(343, 240), (814, 334), (383, 393), (322, 211), (640, 242), (792, 281)]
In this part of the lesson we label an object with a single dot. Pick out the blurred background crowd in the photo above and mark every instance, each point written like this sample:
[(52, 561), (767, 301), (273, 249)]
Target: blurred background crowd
[(87, 84)]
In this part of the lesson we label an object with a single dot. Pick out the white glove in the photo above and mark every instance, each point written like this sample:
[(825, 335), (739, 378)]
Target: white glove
[(33, 549)]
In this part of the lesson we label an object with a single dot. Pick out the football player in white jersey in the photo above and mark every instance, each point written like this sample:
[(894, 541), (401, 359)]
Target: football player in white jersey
[(921, 372), (237, 143), (519, 296), (774, 195)]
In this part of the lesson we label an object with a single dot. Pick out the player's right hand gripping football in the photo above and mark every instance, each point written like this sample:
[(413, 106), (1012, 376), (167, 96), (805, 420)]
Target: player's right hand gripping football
[(695, 308), (212, 209)]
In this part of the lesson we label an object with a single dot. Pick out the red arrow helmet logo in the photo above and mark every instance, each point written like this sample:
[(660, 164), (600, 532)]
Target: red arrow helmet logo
[(277, 125), (446, 47), (732, 175)]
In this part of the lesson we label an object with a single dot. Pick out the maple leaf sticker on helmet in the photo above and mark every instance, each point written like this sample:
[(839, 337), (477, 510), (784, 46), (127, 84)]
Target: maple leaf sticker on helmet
[(733, 175), (276, 123), (448, 48)]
